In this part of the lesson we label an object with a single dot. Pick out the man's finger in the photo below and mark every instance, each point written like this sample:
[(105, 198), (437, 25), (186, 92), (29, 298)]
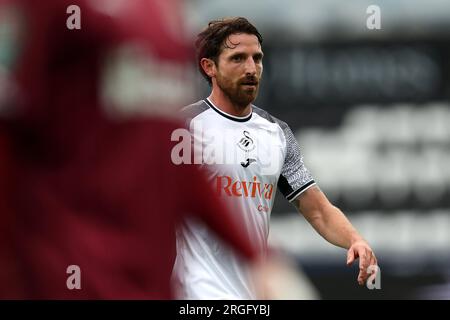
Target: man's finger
[(361, 277), (373, 261), (363, 261), (350, 257)]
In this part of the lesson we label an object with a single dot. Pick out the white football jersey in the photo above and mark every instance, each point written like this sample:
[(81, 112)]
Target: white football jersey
[(247, 159)]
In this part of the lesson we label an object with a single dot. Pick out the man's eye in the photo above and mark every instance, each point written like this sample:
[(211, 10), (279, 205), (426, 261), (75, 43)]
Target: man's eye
[(236, 58)]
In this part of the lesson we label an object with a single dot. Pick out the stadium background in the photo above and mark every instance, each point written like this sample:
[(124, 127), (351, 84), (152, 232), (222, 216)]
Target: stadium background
[(371, 111)]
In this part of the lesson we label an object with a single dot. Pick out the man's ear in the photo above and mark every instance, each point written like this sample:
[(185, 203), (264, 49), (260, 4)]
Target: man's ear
[(208, 66)]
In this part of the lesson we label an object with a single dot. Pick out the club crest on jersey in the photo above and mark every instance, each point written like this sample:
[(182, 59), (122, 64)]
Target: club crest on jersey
[(246, 143)]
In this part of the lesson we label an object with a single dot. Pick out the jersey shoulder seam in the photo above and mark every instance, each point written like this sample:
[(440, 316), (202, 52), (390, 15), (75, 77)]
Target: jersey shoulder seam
[(192, 111), (266, 115)]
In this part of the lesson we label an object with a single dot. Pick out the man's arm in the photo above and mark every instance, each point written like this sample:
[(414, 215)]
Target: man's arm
[(331, 224)]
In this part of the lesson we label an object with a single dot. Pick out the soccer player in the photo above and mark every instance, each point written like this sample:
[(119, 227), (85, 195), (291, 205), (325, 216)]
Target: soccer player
[(253, 154), (93, 198)]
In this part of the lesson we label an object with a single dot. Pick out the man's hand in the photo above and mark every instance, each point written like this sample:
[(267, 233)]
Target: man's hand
[(333, 225), (361, 249)]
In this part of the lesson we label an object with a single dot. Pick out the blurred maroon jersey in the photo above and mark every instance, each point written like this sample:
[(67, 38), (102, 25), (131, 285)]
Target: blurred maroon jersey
[(86, 189)]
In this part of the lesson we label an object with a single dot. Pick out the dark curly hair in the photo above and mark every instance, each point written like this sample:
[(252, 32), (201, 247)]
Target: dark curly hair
[(210, 42)]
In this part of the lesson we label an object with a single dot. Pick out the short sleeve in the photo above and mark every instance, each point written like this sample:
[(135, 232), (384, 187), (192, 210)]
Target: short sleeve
[(295, 177)]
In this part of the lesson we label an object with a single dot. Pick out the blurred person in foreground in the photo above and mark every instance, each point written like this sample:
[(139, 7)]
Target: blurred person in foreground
[(252, 154), (87, 184)]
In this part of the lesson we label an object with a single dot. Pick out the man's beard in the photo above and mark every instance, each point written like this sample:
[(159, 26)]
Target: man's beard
[(236, 92)]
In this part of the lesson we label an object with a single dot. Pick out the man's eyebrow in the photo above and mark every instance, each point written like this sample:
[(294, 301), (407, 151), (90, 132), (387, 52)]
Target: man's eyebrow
[(237, 54)]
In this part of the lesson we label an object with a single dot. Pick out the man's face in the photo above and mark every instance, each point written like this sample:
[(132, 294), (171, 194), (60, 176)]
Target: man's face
[(239, 68)]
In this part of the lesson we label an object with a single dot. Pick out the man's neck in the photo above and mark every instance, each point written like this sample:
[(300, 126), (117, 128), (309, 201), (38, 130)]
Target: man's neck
[(221, 101)]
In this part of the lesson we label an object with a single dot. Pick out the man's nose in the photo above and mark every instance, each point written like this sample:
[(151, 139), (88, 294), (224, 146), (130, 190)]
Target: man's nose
[(250, 67)]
